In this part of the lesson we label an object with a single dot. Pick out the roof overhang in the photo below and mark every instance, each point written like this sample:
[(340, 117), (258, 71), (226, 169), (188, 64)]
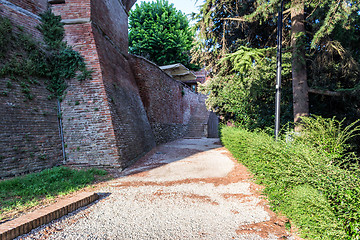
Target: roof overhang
[(179, 72)]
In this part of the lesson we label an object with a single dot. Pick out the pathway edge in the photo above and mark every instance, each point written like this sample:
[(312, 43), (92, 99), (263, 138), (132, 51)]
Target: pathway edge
[(24, 224)]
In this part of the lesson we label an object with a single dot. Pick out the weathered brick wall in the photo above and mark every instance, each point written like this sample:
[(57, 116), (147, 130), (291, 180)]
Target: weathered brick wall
[(114, 118), (105, 122), (29, 132), (35, 7), (170, 106), (132, 129), (87, 122), (25, 14), (110, 18)]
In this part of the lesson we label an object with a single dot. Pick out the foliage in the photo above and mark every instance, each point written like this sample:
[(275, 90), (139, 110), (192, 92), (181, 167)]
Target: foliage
[(52, 30), (219, 34), (328, 135), (22, 192), (23, 59), (160, 33), (244, 88), (302, 182), (332, 43), (5, 35)]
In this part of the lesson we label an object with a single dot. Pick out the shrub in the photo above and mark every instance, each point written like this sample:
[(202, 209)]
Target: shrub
[(328, 135), (301, 180)]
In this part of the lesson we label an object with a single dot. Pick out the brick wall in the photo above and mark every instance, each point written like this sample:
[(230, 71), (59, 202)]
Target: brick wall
[(87, 121), (25, 14), (170, 106), (105, 122), (29, 132), (35, 7), (113, 119)]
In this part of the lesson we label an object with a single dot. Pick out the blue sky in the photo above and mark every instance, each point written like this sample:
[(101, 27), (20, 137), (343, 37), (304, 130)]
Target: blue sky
[(186, 6)]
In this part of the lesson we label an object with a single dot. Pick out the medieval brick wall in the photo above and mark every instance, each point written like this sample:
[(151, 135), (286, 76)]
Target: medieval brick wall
[(24, 13), (128, 106), (29, 129), (171, 107), (105, 122), (87, 122)]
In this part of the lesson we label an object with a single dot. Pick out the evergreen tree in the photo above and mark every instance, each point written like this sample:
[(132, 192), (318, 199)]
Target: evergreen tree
[(323, 37), (160, 33)]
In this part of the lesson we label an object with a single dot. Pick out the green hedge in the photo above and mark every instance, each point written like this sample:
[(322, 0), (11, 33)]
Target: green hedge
[(302, 182)]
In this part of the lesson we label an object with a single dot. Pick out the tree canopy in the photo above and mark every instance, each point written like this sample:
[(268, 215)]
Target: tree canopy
[(328, 45), (160, 33)]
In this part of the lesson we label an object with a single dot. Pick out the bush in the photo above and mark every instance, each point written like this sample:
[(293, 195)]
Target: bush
[(328, 135), (301, 180)]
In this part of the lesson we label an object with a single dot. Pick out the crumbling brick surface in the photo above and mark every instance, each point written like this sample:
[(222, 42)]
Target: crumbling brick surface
[(72, 9), (87, 121), (29, 130), (111, 19), (35, 7), (133, 133)]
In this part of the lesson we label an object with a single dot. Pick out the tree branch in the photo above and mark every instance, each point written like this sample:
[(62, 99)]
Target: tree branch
[(325, 92)]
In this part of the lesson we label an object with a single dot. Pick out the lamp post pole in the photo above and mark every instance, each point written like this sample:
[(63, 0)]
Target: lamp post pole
[(278, 72)]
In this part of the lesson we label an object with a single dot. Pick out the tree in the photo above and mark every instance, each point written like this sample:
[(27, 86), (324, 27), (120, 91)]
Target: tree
[(244, 87), (314, 32), (160, 33), (299, 75)]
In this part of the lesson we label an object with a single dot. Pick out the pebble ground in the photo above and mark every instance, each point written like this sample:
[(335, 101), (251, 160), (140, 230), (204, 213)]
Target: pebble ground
[(186, 189)]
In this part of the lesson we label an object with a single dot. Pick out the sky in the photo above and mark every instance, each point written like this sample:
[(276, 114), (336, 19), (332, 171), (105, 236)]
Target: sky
[(186, 6)]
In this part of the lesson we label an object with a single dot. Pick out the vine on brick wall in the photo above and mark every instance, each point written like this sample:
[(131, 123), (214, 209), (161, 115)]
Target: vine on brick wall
[(23, 59)]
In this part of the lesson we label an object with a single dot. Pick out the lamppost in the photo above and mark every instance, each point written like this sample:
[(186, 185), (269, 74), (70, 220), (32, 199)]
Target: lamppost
[(278, 71)]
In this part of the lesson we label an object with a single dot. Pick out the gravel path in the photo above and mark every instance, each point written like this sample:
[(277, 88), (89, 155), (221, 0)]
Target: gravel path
[(187, 189)]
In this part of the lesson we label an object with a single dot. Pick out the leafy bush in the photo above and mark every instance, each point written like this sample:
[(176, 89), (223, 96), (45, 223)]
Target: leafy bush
[(244, 88), (160, 33), (328, 135), (302, 182)]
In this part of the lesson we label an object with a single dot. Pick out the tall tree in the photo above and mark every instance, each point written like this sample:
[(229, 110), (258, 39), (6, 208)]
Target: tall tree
[(314, 31), (160, 33), (299, 76)]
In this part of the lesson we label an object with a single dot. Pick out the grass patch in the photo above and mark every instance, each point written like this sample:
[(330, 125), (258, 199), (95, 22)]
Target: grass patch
[(27, 191), (302, 181)]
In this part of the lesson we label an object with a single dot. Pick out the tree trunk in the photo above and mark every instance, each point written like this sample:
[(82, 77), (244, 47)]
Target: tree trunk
[(299, 76)]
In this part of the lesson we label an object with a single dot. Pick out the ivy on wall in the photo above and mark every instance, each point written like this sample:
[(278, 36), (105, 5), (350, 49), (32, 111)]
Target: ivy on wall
[(25, 60)]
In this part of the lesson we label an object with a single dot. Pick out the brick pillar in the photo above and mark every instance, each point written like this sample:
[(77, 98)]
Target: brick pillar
[(87, 121), (105, 122)]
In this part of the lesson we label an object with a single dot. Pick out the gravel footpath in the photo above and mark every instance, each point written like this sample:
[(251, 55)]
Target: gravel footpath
[(187, 189)]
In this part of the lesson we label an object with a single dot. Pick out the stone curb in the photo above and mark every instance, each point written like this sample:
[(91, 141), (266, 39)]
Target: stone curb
[(26, 223)]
